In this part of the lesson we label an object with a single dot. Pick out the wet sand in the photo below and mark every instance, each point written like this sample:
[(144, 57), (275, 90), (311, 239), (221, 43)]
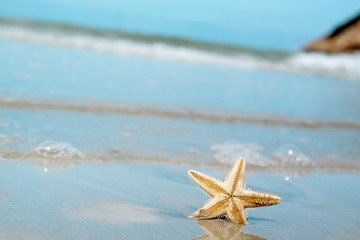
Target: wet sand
[(152, 202)]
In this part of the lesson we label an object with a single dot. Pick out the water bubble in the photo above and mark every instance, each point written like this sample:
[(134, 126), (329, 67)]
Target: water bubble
[(228, 153), (290, 155), (57, 150), (57, 156)]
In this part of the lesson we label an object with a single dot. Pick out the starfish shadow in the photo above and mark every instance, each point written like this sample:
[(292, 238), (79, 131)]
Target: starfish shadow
[(223, 229)]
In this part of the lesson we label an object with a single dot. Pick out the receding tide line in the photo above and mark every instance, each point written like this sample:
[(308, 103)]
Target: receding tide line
[(179, 114), (323, 165)]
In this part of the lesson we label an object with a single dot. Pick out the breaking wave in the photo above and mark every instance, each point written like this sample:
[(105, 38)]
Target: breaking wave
[(180, 50)]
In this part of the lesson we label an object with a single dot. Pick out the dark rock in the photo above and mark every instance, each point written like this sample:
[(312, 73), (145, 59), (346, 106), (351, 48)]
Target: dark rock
[(344, 39)]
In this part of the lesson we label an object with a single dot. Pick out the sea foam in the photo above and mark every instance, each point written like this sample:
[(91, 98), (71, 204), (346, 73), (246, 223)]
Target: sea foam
[(286, 156), (228, 153), (290, 155), (58, 150), (344, 66)]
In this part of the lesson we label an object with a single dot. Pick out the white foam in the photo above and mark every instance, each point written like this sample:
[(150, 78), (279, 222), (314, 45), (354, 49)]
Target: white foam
[(340, 66), (122, 47), (228, 153), (290, 155), (286, 156), (58, 150)]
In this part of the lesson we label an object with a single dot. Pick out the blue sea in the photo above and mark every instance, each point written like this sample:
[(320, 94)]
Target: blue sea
[(175, 83)]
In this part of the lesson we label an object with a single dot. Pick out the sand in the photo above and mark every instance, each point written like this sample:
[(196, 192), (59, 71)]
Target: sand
[(123, 201)]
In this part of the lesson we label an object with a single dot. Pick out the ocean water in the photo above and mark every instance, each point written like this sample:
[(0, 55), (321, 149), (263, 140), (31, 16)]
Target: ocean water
[(258, 24), (72, 94), (75, 89)]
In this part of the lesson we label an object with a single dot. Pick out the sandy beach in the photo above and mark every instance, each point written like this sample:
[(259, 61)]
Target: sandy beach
[(152, 202), (105, 106)]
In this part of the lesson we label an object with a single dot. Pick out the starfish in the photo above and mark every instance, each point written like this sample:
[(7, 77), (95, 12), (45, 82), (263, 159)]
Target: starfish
[(229, 198)]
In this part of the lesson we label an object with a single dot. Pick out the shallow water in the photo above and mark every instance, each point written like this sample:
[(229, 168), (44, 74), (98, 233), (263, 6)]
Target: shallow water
[(117, 108), (122, 138)]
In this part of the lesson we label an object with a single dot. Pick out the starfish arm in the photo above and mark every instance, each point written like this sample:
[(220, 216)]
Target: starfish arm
[(235, 182), (236, 212), (210, 185), (214, 208), (253, 199)]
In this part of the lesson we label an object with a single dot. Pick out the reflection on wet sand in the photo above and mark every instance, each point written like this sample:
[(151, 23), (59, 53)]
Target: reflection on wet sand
[(112, 212), (223, 229)]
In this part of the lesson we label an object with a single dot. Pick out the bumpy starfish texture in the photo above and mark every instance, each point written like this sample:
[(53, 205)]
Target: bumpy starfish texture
[(229, 198)]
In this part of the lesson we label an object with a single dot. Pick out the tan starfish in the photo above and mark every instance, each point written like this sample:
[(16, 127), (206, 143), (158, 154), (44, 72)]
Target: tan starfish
[(229, 198)]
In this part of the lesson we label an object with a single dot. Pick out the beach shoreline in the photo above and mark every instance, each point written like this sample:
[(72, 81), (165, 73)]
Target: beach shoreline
[(104, 109)]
